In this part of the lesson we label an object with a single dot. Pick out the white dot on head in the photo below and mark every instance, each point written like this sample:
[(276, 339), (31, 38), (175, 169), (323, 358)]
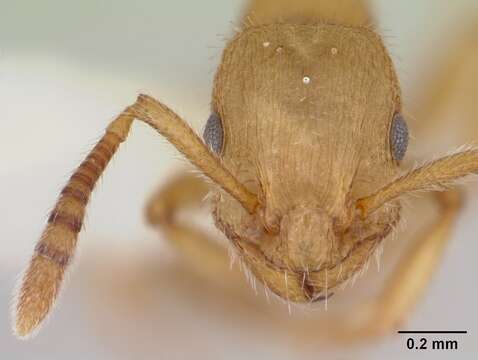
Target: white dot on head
[(334, 51), (279, 49), (266, 44), (306, 80)]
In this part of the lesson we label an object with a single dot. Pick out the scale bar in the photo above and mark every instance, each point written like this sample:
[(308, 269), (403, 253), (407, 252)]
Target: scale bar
[(434, 332)]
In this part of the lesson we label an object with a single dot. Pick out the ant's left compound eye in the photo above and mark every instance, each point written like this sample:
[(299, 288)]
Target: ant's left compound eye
[(213, 133), (398, 137)]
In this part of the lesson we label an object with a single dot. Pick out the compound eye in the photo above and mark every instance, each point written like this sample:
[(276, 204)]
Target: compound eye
[(214, 134), (399, 137)]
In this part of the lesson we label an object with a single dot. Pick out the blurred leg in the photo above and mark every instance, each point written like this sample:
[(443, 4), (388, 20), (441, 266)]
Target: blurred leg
[(199, 250), (408, 281), (446, 109)]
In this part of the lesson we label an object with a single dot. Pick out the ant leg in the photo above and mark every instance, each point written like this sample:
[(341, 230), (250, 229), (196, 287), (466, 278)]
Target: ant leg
[(204, 254), (407, 282), (446, 111)]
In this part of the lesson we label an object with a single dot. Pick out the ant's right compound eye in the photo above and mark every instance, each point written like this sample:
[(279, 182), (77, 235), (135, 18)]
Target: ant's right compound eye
[(398, 137), (214, 134)]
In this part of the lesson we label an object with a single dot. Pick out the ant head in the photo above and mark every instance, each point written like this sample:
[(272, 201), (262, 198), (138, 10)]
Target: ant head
[(310, 122)]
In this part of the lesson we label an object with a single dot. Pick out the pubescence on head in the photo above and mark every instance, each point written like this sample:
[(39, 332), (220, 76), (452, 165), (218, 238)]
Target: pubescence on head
[(307, 125)]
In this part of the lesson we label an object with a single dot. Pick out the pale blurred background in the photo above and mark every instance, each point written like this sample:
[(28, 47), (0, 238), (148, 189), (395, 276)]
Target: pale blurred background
[(66, 69)]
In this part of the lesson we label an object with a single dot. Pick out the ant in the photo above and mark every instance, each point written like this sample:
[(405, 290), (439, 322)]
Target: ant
[(302, 160)]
